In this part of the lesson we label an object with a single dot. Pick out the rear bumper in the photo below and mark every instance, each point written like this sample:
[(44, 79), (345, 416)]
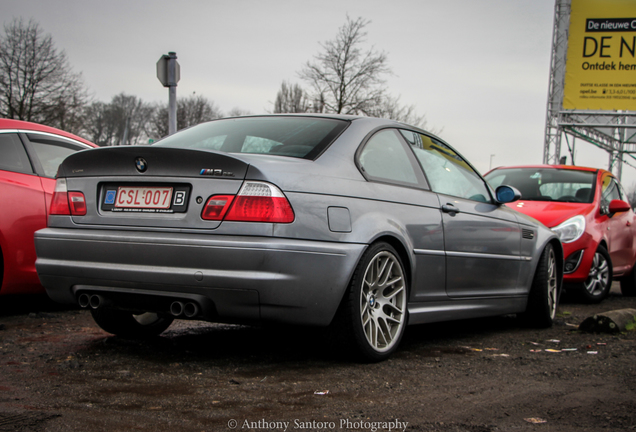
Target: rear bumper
[(240, 279)]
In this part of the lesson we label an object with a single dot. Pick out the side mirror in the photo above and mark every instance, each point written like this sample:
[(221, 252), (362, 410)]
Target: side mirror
[(507, 194), (617, 206)]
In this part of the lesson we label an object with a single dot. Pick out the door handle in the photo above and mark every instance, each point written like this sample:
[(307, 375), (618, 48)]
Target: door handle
[(450, 209)]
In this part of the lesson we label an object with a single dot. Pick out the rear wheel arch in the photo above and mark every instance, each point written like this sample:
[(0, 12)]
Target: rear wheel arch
[(402, 252), (373, 313)]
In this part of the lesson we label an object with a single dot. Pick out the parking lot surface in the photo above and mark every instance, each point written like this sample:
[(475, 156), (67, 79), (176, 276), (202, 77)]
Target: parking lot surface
[(60, 372)]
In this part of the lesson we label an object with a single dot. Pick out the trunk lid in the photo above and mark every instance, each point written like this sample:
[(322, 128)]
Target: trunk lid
[(151, 187)]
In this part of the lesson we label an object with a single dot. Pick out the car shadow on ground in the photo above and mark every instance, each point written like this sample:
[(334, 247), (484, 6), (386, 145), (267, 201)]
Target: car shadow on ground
[(22, 304)]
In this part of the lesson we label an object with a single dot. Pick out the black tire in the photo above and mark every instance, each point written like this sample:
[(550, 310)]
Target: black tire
[(628, 284), (599, 282), (374, 313), (130, 326), (543, 298)]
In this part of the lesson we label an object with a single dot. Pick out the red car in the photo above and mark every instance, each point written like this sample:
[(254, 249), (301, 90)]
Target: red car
[(590, 211), (29, 156)]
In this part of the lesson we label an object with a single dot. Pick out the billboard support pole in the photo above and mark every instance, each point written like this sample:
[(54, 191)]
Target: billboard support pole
[(553, 130)]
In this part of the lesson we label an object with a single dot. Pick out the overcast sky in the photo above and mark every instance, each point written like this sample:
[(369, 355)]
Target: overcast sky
[(478, 69)]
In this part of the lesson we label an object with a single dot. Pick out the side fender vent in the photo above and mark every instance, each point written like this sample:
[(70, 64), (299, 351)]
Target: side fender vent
[(527, 234)]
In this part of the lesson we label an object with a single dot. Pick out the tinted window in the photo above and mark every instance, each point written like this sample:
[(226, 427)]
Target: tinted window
[(446, 171), (51, 156), (384, 157), (13, 156), (302, 137), (538, 184)]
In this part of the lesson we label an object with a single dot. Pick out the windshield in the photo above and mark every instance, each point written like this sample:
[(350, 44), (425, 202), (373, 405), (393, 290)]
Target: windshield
[(301, 137), (538, 184)]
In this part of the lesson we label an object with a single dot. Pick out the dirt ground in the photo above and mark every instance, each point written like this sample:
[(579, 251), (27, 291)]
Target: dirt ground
[(60, 372)]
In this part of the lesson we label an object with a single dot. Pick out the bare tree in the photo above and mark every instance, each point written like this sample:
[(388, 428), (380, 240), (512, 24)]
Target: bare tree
[(291, 99), (192, 110), (123, 121), (345, 78), (36, 80)]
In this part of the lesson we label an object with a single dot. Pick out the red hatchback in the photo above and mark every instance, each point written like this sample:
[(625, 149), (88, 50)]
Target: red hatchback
[(589, 210), (29, 156)]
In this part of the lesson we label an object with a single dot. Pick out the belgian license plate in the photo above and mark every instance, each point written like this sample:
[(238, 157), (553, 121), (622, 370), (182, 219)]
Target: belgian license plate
[(143, 197)]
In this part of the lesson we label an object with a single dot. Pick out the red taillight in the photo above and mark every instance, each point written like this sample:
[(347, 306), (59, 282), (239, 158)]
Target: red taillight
[(78, 203), (216, 207), (67, 203), (261, 209), (255, 202), (59, 203)]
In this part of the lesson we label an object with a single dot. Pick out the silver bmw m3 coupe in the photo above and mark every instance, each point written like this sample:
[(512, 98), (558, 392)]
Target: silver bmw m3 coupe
[(363, 224)]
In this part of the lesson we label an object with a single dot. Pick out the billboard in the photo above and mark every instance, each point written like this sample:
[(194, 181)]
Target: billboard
[(600, 72)]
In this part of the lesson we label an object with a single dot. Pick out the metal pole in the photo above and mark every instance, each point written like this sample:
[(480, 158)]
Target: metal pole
[(172, 93)]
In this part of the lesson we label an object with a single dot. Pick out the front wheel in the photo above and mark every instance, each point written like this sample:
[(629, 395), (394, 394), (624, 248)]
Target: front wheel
[(129, 325), (374, 309), (543, 298), (599, 280)]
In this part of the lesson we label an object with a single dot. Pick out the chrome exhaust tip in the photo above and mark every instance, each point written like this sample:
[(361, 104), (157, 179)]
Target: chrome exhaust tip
[(176, 308)]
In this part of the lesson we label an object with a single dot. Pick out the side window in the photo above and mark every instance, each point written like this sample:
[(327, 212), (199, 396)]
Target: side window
[(51, 156), (445, 170), (13, 156), (610, 191), (384, 157), (51, 152)]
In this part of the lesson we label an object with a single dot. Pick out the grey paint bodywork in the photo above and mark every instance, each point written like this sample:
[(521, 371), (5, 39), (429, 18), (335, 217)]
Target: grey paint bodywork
[(469, 264)]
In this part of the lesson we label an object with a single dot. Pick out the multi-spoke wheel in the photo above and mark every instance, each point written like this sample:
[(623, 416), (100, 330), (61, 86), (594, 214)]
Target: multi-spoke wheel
[(375, 306), (599, 280), (129, 325), (543, 298)]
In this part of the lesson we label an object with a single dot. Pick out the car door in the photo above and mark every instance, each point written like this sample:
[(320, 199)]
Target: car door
[(28, 165), (620, 231), (387, 163), (481, 239), (23, 212)]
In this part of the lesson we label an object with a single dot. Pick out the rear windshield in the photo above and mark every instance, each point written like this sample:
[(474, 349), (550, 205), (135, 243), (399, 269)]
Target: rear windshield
[(536, 184), (301, 137)]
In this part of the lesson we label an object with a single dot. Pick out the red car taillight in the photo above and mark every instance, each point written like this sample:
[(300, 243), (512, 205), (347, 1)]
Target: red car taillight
[(67, 203), (255, 202), (78, 203)]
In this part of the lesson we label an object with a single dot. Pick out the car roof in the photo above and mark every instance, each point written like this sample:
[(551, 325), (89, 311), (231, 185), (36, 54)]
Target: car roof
[(20, 125)]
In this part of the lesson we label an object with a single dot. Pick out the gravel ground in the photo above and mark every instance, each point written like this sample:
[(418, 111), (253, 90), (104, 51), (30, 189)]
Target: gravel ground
[(60, 372)]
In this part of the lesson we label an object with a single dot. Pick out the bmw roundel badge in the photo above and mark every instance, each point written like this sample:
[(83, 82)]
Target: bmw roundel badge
[(141, 165)]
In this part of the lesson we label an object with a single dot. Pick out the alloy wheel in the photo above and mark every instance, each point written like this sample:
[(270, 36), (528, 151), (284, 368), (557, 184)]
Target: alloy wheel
[(383, 301), (553, 289), (598, 278)]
